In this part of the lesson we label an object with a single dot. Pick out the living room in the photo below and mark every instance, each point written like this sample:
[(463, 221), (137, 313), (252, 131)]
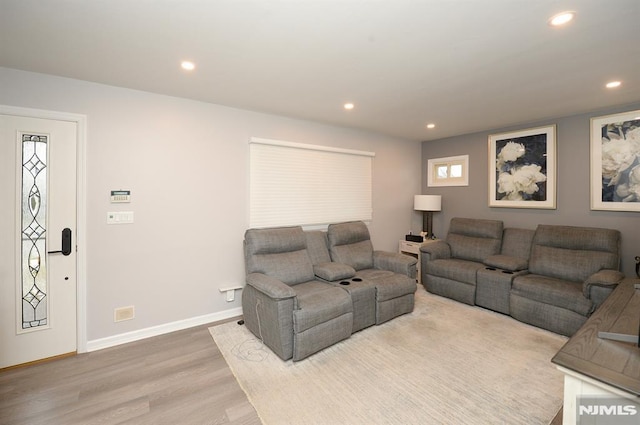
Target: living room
[(185, 161)]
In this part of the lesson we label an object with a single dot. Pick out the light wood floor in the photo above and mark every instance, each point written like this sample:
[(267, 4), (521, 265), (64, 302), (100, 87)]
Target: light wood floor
[(176, 379), (179, 379)]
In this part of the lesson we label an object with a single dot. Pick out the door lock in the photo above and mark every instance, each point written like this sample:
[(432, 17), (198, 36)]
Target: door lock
[(66, 243)]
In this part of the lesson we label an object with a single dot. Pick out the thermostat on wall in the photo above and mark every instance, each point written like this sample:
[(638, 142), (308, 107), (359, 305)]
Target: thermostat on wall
[(120, 196)]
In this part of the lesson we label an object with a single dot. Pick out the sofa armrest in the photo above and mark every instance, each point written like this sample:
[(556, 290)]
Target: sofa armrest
[(267, 310), (270, 286), (435, 251), (602, 278), (333, 271), (395, 262)]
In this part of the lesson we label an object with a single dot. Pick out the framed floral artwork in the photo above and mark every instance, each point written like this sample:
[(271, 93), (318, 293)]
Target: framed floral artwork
[(522, 168), (615, 162)]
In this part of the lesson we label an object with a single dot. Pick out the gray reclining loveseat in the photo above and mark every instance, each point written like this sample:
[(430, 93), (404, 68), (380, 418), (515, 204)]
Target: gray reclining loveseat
[(554, 277), (299, 299)]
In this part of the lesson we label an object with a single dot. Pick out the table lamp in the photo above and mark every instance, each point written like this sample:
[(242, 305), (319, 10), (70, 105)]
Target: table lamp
[(427, 204)]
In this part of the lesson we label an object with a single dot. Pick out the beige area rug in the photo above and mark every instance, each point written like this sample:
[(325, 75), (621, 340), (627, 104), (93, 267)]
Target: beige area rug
[(445, 363)]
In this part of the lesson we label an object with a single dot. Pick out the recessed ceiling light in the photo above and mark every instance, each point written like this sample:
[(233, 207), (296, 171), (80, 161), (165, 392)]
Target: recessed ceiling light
[(188, 66), (613, 84), (349, 106), (561, 18), (431, 125)]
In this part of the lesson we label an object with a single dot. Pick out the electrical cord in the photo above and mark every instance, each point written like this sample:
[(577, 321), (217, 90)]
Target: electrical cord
[(252, 349)]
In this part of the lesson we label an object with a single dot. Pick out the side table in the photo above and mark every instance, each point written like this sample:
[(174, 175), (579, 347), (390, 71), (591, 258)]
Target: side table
[(413, 249)]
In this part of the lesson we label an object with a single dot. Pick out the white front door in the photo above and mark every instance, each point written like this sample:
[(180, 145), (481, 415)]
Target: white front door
[(38, 202)]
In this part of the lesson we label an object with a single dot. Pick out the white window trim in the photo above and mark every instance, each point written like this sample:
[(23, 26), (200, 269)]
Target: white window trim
[(432, 177)]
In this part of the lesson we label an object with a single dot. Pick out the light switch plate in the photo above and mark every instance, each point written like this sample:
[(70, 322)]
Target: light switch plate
[(120, 217)]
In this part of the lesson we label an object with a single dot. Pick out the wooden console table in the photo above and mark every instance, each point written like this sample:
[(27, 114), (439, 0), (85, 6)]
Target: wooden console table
[(596, 366)]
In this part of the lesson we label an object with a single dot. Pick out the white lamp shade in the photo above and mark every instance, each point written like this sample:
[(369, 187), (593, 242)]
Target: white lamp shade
[(427, 202)]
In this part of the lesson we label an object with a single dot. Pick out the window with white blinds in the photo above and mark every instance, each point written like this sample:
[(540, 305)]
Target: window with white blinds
[(307, 185)]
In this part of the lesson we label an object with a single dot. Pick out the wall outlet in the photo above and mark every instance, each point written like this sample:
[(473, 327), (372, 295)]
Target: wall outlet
[(123, 313), (230, 293)]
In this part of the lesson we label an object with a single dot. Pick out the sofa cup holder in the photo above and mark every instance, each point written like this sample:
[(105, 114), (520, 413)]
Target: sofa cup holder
[(353, 279), (493, 269)]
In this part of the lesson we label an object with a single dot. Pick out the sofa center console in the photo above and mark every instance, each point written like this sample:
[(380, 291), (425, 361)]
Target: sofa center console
[(493, 286), (363, 296)]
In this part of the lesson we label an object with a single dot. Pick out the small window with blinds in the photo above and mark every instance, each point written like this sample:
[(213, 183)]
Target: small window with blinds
[(307, 185)]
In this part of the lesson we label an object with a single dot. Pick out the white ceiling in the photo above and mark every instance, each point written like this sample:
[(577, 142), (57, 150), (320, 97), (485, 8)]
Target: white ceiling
[(466, 66)]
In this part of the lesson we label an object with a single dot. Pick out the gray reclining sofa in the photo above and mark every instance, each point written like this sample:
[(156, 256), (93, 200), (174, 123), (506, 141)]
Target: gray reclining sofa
[(306, 291), (554, 277)]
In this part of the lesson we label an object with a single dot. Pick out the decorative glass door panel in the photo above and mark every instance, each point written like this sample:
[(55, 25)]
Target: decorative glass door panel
[(34, 288)]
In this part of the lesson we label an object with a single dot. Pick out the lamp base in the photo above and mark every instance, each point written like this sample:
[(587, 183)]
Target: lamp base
[(427, 225)]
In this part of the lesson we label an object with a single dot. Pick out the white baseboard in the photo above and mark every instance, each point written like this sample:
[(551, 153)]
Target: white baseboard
[(111, 341)]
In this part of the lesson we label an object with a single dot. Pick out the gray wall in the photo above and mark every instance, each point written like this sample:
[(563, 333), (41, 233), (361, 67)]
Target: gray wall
[(186, 163), (573, 193)]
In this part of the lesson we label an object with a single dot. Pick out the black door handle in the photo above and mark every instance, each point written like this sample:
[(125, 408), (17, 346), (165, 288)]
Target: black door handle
[(66, 243)]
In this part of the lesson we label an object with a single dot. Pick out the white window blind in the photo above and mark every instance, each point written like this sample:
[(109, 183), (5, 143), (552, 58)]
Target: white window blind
[(307, 185)]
